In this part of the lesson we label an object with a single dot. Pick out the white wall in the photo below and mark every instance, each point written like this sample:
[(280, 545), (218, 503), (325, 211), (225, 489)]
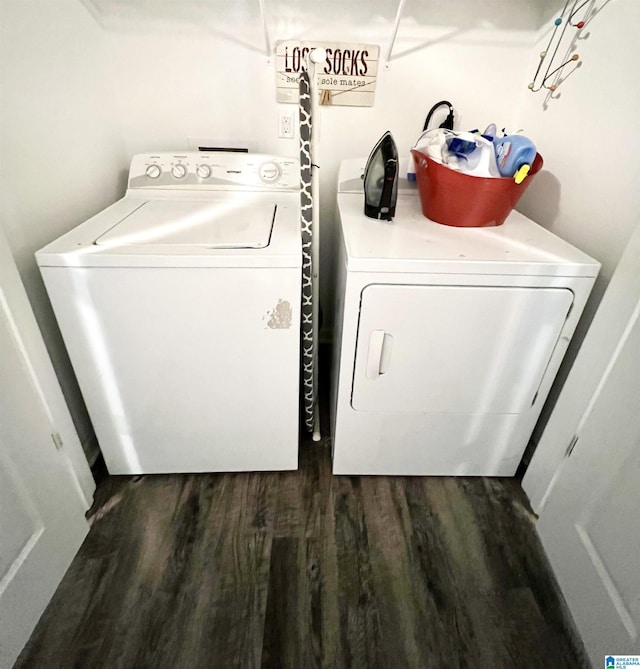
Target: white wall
[(62, 156), (589, 134)]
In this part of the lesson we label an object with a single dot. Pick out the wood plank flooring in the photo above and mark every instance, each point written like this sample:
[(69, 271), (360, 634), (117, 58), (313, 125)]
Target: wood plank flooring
[(304, 569)]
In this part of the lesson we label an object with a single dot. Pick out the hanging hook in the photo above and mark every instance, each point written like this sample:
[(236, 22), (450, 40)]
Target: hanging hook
[(396, 25), (265, 29), (543, 54), (580, 24), (573, 59)]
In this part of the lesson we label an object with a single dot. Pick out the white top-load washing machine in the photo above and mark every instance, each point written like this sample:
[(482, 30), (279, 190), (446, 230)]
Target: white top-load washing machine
[(180, 309), (447, 339)]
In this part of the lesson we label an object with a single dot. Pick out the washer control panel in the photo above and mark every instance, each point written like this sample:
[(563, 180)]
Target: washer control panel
[(214, 170)]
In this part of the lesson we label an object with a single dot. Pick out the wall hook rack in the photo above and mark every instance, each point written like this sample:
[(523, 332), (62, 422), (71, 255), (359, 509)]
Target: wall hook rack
[(567, 19)]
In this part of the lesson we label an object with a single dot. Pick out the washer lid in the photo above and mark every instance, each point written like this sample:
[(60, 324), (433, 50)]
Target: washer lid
[(228, 224)]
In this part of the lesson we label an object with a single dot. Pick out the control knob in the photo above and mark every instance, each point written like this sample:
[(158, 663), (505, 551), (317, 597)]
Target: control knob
[(153, 171), (269, 172), (203, 171), (179, 171)]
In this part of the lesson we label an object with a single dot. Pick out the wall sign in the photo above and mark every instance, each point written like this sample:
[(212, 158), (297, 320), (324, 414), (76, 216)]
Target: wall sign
[(347, 77)]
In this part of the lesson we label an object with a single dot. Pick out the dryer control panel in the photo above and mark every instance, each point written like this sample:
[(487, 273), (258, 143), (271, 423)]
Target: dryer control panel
[(214, 170)]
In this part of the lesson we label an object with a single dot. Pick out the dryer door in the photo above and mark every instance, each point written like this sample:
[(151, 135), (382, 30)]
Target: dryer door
[(455, 349)]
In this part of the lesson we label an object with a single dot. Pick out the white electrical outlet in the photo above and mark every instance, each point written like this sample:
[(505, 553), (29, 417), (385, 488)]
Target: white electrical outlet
[(287, 123)]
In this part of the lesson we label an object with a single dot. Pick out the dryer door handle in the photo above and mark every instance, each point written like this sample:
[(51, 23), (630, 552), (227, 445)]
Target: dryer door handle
[(379, 355)]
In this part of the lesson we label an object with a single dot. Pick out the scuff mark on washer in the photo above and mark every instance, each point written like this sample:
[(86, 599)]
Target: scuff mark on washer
[(280, 316)]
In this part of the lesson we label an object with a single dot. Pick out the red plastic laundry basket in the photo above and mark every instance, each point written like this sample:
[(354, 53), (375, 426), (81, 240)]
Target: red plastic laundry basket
[(464, 200)]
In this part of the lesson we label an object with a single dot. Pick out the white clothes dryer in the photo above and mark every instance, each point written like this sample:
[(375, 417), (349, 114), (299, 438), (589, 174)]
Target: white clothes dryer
[(180, 309), (447, 339)]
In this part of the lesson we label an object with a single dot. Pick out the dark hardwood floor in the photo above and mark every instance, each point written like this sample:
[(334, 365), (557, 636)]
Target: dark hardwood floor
[(304, 569)]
